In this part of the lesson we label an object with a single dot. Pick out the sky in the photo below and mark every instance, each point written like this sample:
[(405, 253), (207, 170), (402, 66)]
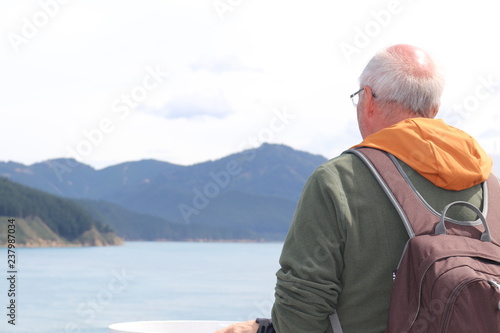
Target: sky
[(187, 81)]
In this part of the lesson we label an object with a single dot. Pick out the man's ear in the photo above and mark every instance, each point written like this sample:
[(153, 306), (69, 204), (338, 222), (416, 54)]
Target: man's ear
[(434, 112), (368, 100)]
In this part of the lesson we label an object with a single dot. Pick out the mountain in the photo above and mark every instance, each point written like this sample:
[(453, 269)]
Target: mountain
[(43, 219), (200, 193), (135, 226), (248, 195), (249, 171)]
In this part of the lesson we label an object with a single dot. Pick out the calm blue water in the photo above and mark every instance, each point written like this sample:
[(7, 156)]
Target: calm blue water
[(86, 289)]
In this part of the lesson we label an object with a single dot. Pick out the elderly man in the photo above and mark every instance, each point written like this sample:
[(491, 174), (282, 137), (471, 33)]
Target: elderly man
[(346, 238)]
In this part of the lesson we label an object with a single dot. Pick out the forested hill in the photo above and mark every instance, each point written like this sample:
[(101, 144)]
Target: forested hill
[(44, 219)]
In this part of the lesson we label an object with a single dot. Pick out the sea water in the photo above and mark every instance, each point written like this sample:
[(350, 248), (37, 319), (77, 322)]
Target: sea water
[(87, 289)]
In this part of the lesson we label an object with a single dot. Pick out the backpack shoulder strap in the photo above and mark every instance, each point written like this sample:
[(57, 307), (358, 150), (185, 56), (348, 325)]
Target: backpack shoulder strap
[(413, 211), (417, 215), (491, 209)]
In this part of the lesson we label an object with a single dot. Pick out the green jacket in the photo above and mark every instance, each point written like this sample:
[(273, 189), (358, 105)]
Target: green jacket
[(344, 242)]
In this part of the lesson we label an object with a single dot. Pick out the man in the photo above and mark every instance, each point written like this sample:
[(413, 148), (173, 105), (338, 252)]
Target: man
[(346, 238)]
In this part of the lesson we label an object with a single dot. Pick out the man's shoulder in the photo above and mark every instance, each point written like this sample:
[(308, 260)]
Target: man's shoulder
[(341, 163), (341, 169)]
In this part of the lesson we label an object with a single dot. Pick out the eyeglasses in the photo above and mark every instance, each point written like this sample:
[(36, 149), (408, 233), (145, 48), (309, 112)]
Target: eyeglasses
[(355, 97)]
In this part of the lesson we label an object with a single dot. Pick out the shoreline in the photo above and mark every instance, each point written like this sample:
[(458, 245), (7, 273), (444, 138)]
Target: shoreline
[(74, 245)]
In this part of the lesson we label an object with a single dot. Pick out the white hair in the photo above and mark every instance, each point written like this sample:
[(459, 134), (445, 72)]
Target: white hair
[(399, 81)]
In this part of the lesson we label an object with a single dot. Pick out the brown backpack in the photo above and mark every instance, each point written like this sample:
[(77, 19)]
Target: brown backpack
[(448, 279)]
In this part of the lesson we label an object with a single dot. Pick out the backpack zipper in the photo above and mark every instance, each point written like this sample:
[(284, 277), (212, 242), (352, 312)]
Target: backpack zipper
[(454, 295), (494, 284)]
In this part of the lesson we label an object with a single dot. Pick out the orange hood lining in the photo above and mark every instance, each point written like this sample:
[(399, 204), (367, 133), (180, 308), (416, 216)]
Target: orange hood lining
[(446, 156)]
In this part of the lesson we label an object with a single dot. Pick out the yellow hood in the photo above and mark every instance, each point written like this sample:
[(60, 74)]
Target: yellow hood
[(445, 155)]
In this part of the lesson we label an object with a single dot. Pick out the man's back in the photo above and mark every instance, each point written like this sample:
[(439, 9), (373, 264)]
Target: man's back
[(345, 241)]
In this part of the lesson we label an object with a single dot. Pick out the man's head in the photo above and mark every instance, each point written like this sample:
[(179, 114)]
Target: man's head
[(398, 83)]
